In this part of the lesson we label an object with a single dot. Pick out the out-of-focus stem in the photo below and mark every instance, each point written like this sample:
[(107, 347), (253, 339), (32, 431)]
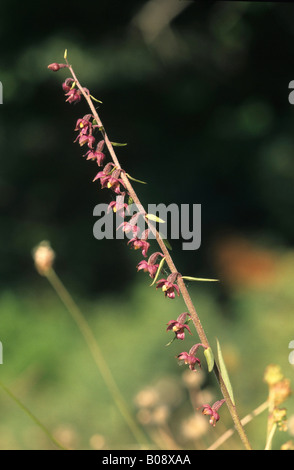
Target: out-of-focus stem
[(32, 417), (269, 442), (171, 265), (97, 355)]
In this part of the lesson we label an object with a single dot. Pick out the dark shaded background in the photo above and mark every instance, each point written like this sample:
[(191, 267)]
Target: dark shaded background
[(203, 106)]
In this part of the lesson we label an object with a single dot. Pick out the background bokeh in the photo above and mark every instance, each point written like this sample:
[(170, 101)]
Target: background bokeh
[(199, 91)]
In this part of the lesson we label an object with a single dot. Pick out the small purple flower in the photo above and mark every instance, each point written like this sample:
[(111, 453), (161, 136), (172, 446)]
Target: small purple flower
[(137, 243), (128, 227), (190, 358), (97, 154), (67, 84), (168, 286), (150, 266), (84, 124), (212, 411), (117, 206), (109, 178), (179, 326), (86, 139), (74, 95)]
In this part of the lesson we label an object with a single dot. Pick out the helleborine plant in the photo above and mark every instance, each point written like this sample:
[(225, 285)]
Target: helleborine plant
[(112, 177)]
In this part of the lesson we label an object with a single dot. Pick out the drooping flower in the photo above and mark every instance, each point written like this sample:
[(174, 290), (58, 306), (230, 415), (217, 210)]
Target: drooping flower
[(128, 227), (85, 139), (67, 84), (190, 358), (137, 243), (74, 95), (104, 174), (179, 326), (212, 411), (141, 243), (97, 154), (84, 124), (168, 286), (150, 266), (118, 207)]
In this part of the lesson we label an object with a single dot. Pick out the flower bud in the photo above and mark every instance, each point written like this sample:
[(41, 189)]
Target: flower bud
[(55, 67)]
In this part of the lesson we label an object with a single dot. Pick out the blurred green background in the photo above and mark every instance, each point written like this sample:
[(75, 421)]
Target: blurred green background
[(199, 90)]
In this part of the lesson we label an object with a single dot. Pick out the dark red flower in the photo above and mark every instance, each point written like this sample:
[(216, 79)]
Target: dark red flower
[(84, 124), (190, 358), (67, 84), (97, 154), (109, 178), (138, 243), (128, 227), (86, 139), (179, 326), (212, 411), (168, 286), (118, 206), (150, 266), (74, 95)]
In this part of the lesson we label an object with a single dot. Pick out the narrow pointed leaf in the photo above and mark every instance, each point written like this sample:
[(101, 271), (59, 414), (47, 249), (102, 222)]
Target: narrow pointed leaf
[(158, 271), (189, 278), (166, 242), (224, 372), (95, 99), (65, 54), (134, 179), (117, 144), (209, 358), (154, 218)]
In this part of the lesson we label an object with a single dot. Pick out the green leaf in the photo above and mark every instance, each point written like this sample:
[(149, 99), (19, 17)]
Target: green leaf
[(158, 271), (224, 372), (117, 144), (209, 358), (154, 218), (65, 54), (199, 279), (95, 99), (133, 179), (166, 242)]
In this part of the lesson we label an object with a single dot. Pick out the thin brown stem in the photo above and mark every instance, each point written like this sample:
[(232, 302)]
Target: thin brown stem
[(183, 289)]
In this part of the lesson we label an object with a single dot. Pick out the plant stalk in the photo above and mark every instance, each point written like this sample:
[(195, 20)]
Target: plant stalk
[(171, 265)]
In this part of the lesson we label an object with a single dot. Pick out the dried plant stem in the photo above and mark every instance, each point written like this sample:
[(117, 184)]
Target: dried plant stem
[(171, 265), (95, 350)]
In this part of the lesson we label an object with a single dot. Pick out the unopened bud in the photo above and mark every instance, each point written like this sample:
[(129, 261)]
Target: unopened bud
[(55, 67), (43, 257)]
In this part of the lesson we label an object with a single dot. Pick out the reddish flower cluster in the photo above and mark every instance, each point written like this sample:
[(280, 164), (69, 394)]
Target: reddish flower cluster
[(110, 177)]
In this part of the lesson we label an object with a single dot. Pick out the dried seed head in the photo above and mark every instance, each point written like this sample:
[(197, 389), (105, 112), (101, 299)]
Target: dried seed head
[(43, 257)]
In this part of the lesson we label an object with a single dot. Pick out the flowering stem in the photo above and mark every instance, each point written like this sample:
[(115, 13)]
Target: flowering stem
[(169, 261), (94, 348), (244, 421), (32, 417)]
